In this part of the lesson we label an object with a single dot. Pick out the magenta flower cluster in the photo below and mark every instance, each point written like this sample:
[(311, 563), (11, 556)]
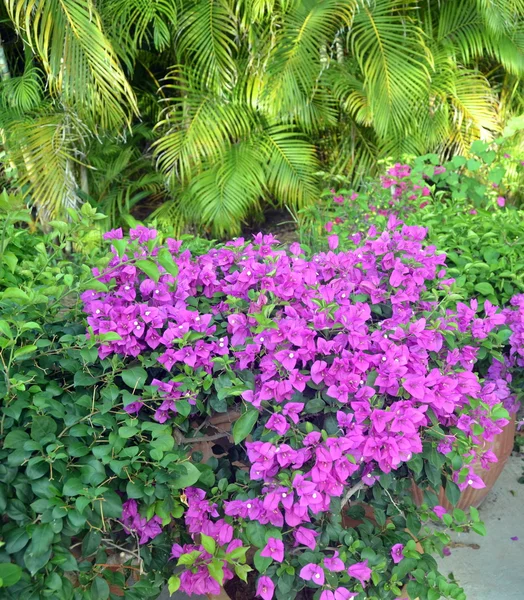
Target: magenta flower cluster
[(358, 338)]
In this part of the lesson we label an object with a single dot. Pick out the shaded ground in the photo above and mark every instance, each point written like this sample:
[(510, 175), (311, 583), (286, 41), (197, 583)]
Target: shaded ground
[(278, 222), (492, 567)]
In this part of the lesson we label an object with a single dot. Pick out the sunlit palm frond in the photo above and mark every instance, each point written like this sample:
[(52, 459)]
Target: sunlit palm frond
[(467, 34), (42, 148), (295, 64), (291, 165), (80, 63), (394, 59), (474, 113), (22, 93), (207, 40), (197, 126), (224, 195), (141, 23)]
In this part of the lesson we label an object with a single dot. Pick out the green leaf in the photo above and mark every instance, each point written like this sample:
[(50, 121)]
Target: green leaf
[(127, 432), (73, 487), (189, 478), (91, 542), (216, 570), (242, 571), (15, 294), (42, 427), (149, 268), (135, 377), (24, 351), (452, 492), (41, 539), (5, 329), (173, 584), (256, 534), (189, 558), (474, 514), (15, 439), (244, 425), (479, 528), (484, 288), (16, 539), (208, 543), (261, 562), (9, 574), (165, 259), (99, 589)]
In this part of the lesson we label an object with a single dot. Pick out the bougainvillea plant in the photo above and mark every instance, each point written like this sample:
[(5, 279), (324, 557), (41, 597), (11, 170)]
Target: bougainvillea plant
[(346, 376)]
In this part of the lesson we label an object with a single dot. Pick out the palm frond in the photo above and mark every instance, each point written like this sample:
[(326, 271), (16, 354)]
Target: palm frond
[(207, 40), (224, 195), (22, 93), (80, 63), (392, 53), (198, 126), (290, 168), (42, 148), (294, 66), (135, 23)]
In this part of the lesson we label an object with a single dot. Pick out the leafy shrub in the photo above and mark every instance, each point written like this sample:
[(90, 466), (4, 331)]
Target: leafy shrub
[(354, 374), (68, 448), (463, 205)]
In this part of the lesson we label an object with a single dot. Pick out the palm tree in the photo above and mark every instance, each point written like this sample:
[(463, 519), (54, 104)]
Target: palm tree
[(248, 99)]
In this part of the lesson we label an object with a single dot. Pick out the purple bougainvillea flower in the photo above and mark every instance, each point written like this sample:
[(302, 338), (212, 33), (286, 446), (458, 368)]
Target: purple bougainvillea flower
[(501, 201), (360, 571), (306, 536), (274, 549), (396, 553), (515, 539), (440, 511), (446, 551), (265, 588), (334, 563), (133, 408), (313, 573), (344, 594)]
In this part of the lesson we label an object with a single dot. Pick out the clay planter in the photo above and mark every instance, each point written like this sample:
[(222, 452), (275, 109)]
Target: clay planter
[(501, 446)]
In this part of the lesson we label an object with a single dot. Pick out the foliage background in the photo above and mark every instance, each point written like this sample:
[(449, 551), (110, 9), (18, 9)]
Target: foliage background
[(207, 111)]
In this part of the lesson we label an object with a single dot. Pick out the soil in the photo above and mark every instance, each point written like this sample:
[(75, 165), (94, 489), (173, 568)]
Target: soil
[(278, 222)]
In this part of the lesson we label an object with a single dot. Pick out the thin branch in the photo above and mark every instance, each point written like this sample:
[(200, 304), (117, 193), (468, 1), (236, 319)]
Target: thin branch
[(351, 492)]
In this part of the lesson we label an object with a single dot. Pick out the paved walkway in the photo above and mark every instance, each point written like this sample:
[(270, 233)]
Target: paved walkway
[(491, 567)]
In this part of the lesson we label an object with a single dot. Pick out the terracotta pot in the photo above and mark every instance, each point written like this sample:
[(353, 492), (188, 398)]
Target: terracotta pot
[(501, 446)]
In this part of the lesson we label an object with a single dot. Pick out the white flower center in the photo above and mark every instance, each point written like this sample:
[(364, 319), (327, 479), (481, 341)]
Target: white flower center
[(384, 359), (284, 495), (157, 291), (470, 481), (221, 345), (317, 575), (261, 339), (148, 312), (248, 505), (97, 311), (314, 495), (291, 355), (127, 288)]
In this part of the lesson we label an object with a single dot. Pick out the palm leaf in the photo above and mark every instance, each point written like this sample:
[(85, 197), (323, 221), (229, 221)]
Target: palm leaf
[(394, 59), (295, 65), (81, 66), (223, 196), (42, 150), (135, 23), (198, 126), (290, 168), (207, 40)]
